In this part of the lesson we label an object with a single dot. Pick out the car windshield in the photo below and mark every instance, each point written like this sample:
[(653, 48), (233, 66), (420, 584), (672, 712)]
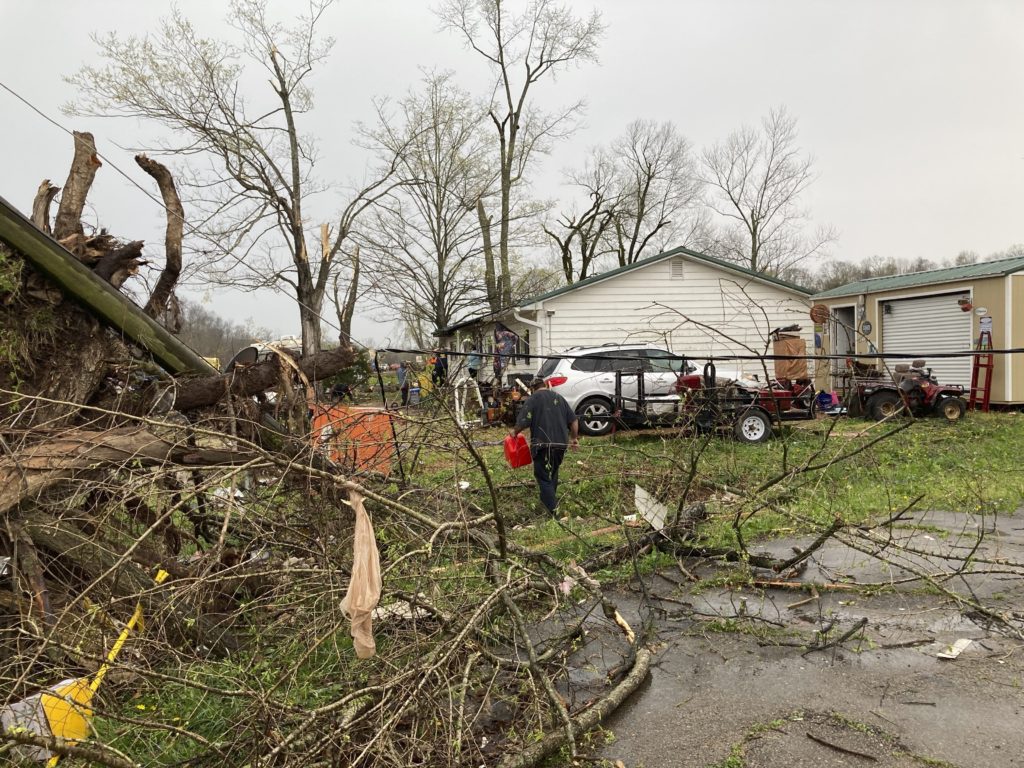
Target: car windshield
[(548, 367)]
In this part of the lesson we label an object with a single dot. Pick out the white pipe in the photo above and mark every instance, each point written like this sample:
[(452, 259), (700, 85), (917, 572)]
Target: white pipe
[(540, 330)]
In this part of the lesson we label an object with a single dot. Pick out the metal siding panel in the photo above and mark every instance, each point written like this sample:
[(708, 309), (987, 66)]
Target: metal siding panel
[(928, 325)]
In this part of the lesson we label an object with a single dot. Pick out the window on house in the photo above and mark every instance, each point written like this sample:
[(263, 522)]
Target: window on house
[(523, 346)]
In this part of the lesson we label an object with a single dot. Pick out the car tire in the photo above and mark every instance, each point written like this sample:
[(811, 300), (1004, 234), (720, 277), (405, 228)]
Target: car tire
[(883, 405), (752, 426), (951, 408), (595, 407)]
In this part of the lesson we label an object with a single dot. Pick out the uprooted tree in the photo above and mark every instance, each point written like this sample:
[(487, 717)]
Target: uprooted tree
[(113, 466)]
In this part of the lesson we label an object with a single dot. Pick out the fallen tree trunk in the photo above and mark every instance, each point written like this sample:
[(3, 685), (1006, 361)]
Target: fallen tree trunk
[(199, 393), (27, 473)]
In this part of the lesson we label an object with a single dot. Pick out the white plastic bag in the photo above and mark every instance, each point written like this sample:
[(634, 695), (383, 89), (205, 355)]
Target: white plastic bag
[(364, 588)]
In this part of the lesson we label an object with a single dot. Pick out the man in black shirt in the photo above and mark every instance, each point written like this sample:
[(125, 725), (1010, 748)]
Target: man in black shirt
[(553, 427)]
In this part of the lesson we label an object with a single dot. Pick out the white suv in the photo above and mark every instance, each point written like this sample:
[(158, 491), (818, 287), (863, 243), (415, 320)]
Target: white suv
[(585, 377)]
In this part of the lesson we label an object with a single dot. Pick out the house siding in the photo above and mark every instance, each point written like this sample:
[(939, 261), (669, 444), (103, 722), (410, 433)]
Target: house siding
[(707, 312)]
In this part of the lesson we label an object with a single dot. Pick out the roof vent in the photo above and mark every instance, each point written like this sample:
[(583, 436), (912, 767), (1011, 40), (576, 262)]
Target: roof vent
[(677, 268)]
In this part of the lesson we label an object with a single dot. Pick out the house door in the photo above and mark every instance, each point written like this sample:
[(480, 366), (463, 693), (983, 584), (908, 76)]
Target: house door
[(843, 335), (928, 325)]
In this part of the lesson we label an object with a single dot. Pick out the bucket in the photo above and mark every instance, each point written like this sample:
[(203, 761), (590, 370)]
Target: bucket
[(517, 451)]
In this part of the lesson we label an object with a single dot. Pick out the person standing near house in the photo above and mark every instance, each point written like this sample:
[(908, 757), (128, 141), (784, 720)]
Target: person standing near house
[(553, 428), (439, 375), (473, 362), (403, 381)]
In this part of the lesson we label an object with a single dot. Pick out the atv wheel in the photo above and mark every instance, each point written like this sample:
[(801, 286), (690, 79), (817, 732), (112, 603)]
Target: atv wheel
[(753, 426), (952, 408), (883, 405)]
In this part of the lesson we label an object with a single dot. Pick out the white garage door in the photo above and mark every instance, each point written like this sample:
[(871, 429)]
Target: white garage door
[(921, 327)]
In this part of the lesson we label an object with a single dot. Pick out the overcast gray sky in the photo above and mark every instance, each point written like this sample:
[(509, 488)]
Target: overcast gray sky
[(914, 111)]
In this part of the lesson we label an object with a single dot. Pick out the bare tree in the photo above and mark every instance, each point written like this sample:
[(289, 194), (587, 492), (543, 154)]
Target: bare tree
[(660, 197), (521, 49), (425, 238), (757, 177), (251, 166), (644, 192), (581, 237)]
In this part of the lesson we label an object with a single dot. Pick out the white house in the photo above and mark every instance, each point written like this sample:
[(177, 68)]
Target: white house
[(690, 303)]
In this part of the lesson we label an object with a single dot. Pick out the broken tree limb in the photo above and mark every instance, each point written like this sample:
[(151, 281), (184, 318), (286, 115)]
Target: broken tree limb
[(591, 718), (159, 300), (76, 188), (26, 473), (806, 585), (41, 204), (199, 393), (119, 264), (803, 554)]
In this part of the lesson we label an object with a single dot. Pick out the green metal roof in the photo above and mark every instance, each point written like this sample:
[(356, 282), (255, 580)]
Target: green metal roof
[(997, 268), (658, 257)]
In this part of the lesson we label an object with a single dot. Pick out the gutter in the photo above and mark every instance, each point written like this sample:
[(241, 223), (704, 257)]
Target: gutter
[(525, 321), (96, 295)]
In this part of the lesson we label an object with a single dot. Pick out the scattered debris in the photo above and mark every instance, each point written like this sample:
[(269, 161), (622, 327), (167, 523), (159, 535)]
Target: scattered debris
[(650, 509), (954, 650)]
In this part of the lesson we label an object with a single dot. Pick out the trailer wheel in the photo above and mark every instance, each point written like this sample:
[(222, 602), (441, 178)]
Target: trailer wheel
[(884, 404), (952, 408), (753, 426)]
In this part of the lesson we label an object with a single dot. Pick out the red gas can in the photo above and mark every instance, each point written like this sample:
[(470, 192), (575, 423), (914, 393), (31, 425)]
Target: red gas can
[(517, 451)]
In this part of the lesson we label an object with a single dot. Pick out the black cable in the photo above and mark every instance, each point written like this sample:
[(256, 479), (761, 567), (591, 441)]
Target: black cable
[(720, 357)]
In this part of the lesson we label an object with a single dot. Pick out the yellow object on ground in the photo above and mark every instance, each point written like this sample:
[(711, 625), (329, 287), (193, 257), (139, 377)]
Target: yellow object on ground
[(63, 710)]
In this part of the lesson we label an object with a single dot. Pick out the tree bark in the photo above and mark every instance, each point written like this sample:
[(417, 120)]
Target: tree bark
[(118, 265), (490, 282), (27, 473), (41, 205), (76, 188), (199, 393), (348, 308), (158, 306)]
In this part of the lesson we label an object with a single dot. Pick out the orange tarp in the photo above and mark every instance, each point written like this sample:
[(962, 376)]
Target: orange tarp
[(355, 436)]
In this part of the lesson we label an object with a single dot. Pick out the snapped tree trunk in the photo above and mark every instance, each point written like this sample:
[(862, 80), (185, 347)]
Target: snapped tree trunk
[(76, 188), (160, 300), (490, 283), (27, 473), (41, 205), (348, 307)]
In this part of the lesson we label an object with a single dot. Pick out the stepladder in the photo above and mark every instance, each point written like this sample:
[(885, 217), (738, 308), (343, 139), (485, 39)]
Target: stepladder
[(981, 373)]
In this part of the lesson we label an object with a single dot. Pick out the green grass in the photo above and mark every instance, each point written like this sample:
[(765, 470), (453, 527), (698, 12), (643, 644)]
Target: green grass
[(966, 467), (971, 466)]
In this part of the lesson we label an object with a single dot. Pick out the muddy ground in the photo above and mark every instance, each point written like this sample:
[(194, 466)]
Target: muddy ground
[(737, 683)]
